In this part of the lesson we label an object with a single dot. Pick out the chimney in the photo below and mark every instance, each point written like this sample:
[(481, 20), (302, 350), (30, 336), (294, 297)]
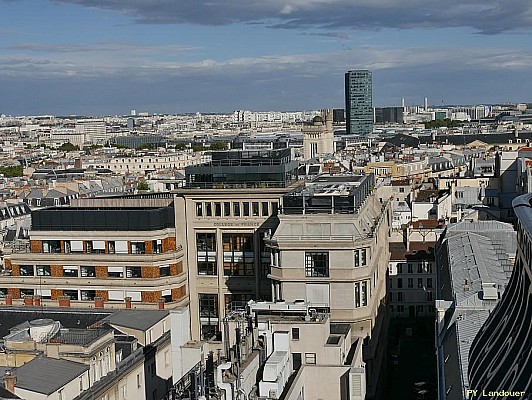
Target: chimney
[(128, 302), (98, 302), (9, 299), (37, 300), (161, 303), (10, 380), (28, 300), (64, 301)]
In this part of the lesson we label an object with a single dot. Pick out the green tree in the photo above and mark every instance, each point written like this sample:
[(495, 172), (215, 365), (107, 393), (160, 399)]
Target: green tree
[(146, 146), (11, 171), (143, 185), (68, 147), (216, 146)]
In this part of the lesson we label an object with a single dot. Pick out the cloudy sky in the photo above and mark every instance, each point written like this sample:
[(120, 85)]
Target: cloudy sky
[(174, 56)]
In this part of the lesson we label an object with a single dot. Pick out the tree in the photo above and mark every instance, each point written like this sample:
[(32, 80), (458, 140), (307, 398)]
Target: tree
[(218, 146), (11, 171), (143, 185), (68, 147), (146, 146)]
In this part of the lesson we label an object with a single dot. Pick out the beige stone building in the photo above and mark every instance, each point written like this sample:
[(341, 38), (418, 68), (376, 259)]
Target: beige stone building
[(330, 250)]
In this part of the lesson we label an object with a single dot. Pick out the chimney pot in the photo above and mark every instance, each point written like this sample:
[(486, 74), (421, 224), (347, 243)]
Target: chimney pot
[(161, 303), (10, 380)]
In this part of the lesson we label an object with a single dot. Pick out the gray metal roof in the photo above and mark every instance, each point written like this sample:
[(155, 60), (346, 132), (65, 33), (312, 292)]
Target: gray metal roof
[(137, 319), (46, 375), (473, 260)]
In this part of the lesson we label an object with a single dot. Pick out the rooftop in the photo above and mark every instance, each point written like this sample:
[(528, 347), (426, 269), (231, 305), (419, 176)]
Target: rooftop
[(140, 320), (47, 375)]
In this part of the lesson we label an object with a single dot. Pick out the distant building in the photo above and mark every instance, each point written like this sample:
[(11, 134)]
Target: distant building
[(94, 130), (389, 114), (358, 102), (318, 136)]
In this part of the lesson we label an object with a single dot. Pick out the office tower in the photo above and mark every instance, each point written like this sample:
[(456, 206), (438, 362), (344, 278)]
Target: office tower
[(358, 102)]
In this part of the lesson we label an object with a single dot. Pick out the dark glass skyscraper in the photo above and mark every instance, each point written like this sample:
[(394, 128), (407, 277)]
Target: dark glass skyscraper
[(358, 102)]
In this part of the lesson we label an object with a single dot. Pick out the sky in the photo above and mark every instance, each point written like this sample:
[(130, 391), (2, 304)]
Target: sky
[(107, 57)]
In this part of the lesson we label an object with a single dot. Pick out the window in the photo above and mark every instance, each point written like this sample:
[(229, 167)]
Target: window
[(296, 360), (227, 209), (208, 209), (139, 380), (238, 254), (399, 283), (420, 283), (429, 296), (111, 247), (96, 246), (399, 296), (51, 246), (26, 270), (419, 268), (361, 257), (419, 310), (265, 209), (138, 248), (410, 269), (88, 271), (361, 294), (295, 333), (317, 264), (74, 246), (70, 271), (401, 190), (429, 283), (43, 270), (265, 256), (157, 246), (88, 295), (73, 294), (133, 272), (206, 253), (236, 301), (245, 209), (400, 309), (399, 268), (115, 272), (217, 209), (255, 208), (429, 268), (208, 310), (236, 209), (164, 270), (199, 211), (310, 358), (410, 283)]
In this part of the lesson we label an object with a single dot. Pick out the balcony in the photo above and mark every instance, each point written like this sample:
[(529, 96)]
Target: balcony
[(92, 282), (96, 258)]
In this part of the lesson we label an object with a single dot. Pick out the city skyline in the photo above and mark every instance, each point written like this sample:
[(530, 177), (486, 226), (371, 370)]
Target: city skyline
[(103, 57)]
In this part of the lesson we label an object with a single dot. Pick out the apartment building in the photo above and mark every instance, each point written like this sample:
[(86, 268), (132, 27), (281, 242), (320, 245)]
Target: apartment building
[(97, 251), (330, 250), (412, 279)]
